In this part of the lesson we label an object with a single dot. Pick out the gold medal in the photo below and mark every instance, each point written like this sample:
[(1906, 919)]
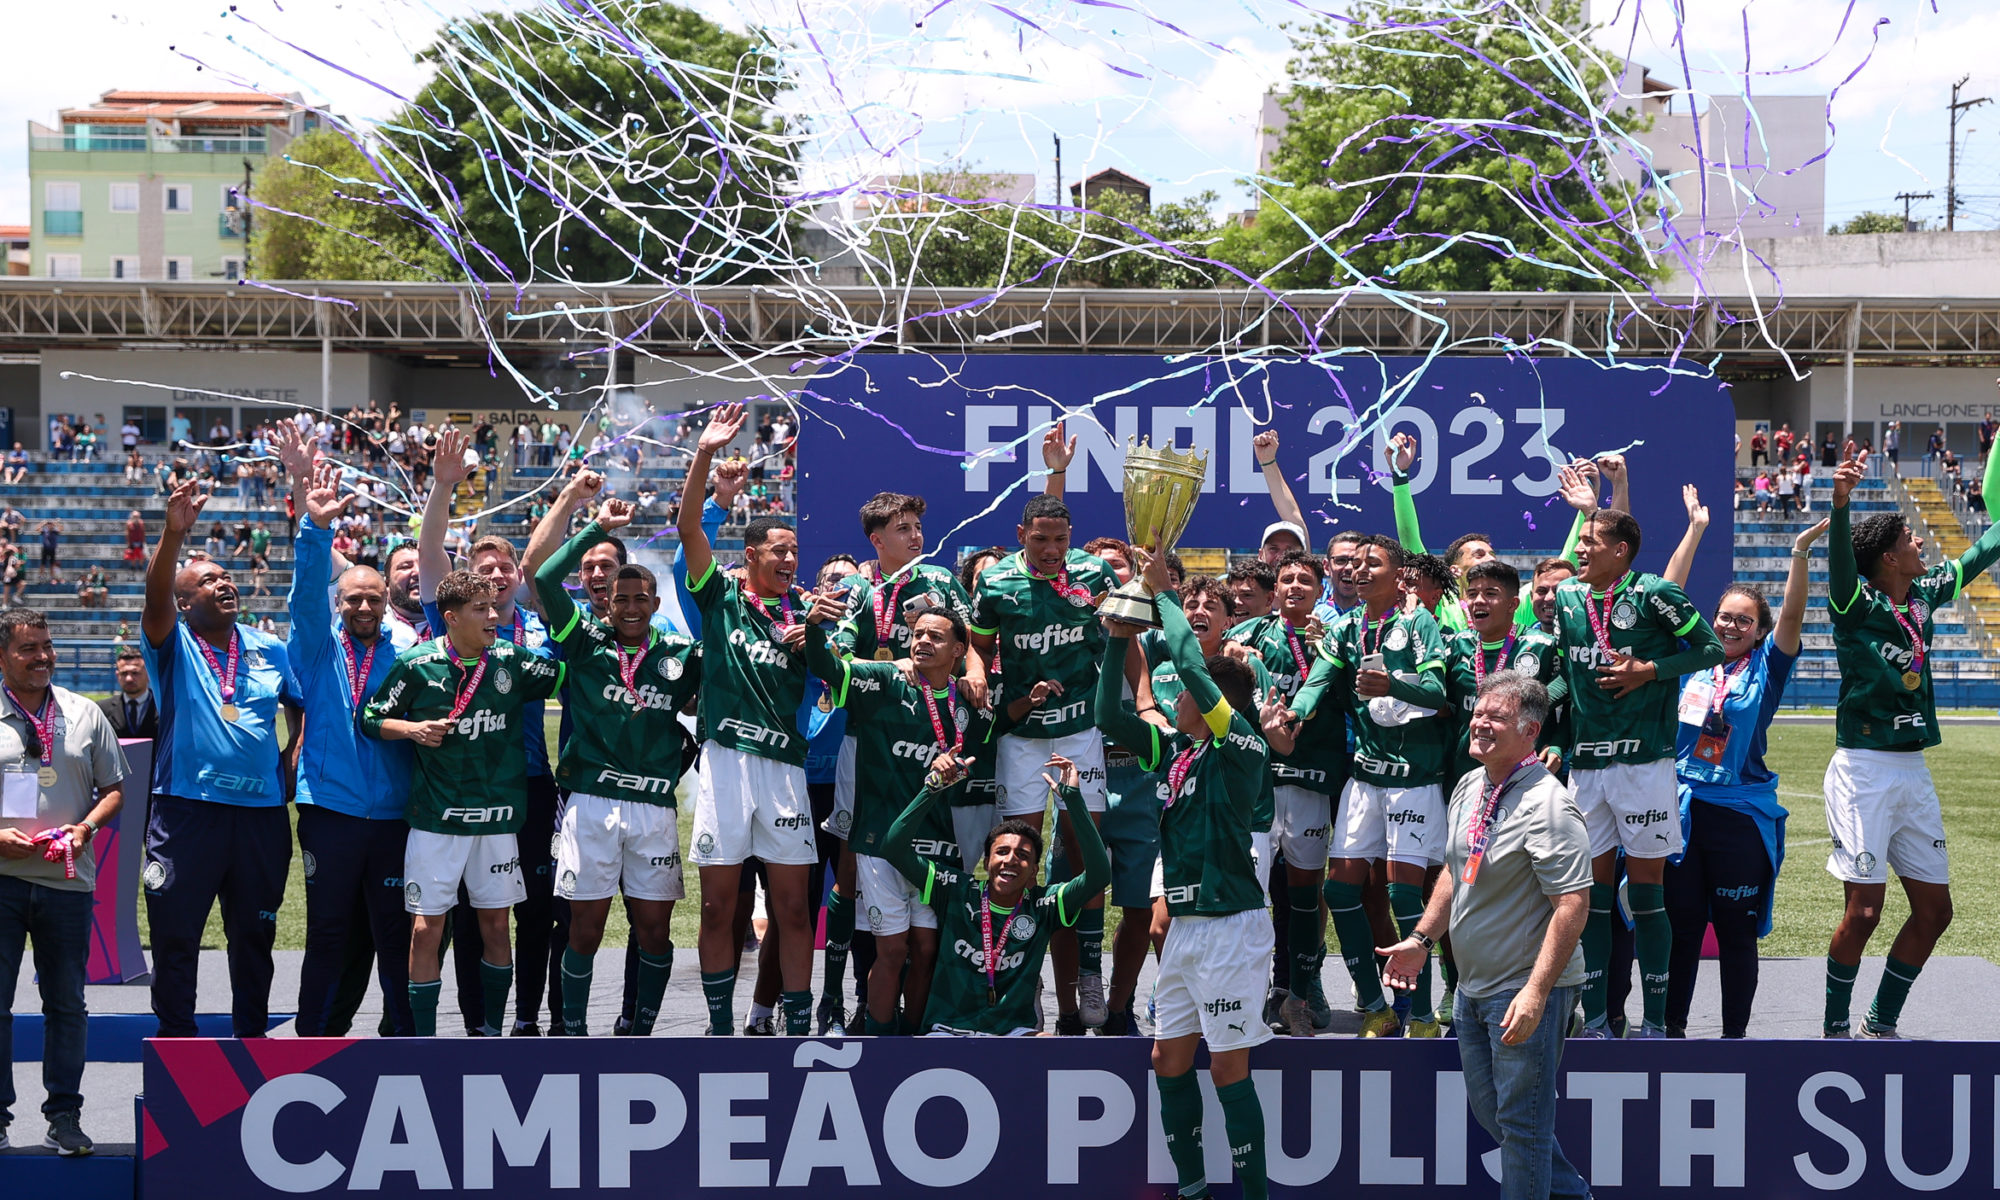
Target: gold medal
[(1912, 680), (230, 713), (47, 776), (885, 655)]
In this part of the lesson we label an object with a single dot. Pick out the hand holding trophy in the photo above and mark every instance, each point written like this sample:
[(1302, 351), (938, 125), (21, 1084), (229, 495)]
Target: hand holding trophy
[(1161, 487)]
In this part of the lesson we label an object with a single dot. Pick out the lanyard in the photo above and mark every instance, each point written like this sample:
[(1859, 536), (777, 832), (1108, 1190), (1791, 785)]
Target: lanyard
[(958, 719), (60, 846), (1177, 773), (784, 603), (1481, 829), (885, 611), (357, 671), (628, 668), (1298, 650), (464, 694), (43, 723), (1916, 634), (1075, 593), (1380, 629), (1479, 660), (519, 635), (986, 939), (1600, 622), (1725, 675), (225, 677)]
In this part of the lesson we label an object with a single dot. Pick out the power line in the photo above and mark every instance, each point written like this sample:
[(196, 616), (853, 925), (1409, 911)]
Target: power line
[(1951, 175), (1906, 197)]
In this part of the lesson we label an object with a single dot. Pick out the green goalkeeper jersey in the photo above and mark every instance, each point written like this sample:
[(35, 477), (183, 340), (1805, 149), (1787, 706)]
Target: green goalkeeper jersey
[(625, 742), (1648, 618), (1043, 633), (476, 780), (1401, 740), (754, 683)]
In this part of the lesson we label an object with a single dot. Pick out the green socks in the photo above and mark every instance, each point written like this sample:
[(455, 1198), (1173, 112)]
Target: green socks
[(798, 1010), (1243, 1119), (424, 1006), (1653, 941), (1840, 995), (653, 973), (1890, 994), (1357, 941), (494, 984), (1406, 901), (875, 1028), (1180, 1116), (719, 989), (1597, 953), (1090, 942), (839, 936), (1303, 939), (576, 972)]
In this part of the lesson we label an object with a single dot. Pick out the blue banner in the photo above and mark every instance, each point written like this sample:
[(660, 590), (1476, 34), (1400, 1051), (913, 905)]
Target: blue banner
[(1034, 1118), (964, 433)]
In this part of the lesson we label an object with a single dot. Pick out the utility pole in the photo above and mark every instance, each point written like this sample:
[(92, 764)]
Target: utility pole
[(1951, 171), (1059, 191), (1906, 197)]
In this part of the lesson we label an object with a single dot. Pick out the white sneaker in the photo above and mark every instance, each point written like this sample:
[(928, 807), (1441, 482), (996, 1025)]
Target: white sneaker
[(1090, 1003)]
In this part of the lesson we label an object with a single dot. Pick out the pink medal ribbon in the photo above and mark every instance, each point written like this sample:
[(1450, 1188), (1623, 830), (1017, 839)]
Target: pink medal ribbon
[(1177, 773), (358, 668), (464, 694), (60, 846), (1481, 830), (885, 611), (1600, 622), (784, 603), (986, 940), (1725, 675), (1915, 630), (225, 678), (1298, 650), (628, 670), (43, 723), (944, 739), (1075, 593), (520, 631), (1479, 660), (1380, 629)]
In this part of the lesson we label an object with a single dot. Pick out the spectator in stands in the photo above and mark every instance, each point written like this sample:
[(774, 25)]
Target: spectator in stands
[(13, 573), (57, 747), (86, 444), (1987, 428), (135, 466), (135, 541), (93, 589), (217, 538), (17, 465), (1742, 494), (1934, 449), (260, 559), (1760, 448), (242, 534), (51, 546), (130, 709), (1781, 444), (179, 430), (1805, 482), (1787, 488), (128, 435)]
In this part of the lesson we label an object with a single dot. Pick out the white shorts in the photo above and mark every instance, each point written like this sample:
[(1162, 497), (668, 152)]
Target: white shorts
[(840, 821), (971, 823), (1405, 825), (607, 846), (1303, 826), (434, 864), (889, 903), (1883, 812), (1634, 805), (1213, 971), (1023, 791), (1260, 857), (748, 806)]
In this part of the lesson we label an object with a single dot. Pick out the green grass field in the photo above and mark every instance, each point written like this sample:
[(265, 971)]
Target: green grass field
[(1809, 900)]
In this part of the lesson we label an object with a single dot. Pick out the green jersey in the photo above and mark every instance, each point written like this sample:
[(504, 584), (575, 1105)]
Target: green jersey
[(260, 541), (1401, 740), (476, 780), (890, 722), (1318, 761), (1167, 688), (755, 682), (1208, 789), (964, 998), (875, 605), (1469, 658), (625, 740), (1878, 709), (1044, 633), (1648, 618)]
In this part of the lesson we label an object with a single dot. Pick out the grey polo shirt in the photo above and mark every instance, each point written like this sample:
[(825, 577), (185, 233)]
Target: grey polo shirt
[(1537, 848), (87, 757)]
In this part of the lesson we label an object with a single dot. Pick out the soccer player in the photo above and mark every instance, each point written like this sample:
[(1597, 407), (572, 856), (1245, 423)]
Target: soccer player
[(1215, 963), (1621, 634), (217, 827), (751, 801), (492, 558), (997, 931), (1881, 806), (1304, 781), (1384, 665), (1038, 607), (351, 789), (461, 698), (899, 729), (1255, 586), (628, 683)]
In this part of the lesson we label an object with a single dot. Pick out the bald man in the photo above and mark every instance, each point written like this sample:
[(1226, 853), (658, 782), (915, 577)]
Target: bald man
[(351, 789), (217, 829)]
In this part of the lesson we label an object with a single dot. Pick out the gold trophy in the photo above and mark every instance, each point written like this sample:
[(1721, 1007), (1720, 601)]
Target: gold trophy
[(1161, 487)]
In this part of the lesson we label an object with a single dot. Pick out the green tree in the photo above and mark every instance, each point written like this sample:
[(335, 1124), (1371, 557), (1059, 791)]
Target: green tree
[(949, 231), (1870, 222), (1406, 131), (633, 142), (346, 226)]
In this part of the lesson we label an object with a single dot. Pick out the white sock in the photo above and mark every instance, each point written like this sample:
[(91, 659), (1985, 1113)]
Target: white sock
[(760, 1011)]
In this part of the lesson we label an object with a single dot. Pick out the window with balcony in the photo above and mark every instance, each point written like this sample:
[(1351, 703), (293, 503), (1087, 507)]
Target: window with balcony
[(124, 197), (179, 197), (62, 209)]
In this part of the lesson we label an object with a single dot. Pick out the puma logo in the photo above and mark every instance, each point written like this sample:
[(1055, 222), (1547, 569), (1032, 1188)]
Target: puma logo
[(1237, 1027)]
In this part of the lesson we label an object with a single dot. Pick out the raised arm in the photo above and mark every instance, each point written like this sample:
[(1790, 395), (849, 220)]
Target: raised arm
[(1265, 447), (162, 610), (1613, 467), (312, 554), (1843, 575), (448, 470), (1401, 455), (722, 429), (1683, 559), (1184, 648), (1792, 613), (1986, 551), (559, 608), (582, 488), (1073, 894), (1120, 723), (1057, 453)]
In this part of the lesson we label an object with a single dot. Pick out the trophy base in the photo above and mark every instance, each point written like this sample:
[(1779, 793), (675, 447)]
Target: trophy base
[(1128, 602)]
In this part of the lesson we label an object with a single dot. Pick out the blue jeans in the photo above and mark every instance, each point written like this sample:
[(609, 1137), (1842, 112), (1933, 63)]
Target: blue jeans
[(1512, 1091), (59, 924)]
